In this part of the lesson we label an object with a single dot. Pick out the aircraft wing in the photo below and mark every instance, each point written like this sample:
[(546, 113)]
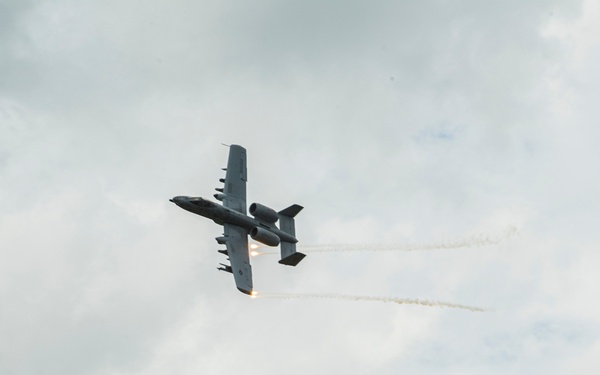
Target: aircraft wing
[(237, 250), (235, 180)]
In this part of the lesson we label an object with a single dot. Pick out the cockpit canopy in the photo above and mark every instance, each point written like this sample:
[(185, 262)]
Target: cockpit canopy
[(200, 202)]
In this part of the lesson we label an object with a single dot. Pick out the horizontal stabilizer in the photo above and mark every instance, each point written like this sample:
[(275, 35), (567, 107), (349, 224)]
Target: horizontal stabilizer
[(291, 211), (289, 256)]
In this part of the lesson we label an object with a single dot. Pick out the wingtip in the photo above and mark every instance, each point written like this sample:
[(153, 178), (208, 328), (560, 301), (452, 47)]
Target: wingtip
[(245, 291)]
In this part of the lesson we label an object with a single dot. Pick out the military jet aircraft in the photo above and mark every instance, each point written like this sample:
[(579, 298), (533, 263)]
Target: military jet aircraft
[(237, 225)]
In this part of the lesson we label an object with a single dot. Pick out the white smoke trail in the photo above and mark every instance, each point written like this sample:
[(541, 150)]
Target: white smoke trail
[(346, 297), (478, 240)]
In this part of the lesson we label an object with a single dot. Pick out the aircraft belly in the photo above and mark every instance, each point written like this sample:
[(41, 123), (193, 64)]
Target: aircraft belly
[(239, 220)]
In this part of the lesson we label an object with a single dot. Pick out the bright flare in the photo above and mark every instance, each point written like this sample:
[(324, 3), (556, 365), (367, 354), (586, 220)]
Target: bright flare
[(254, 246), (254, 253)]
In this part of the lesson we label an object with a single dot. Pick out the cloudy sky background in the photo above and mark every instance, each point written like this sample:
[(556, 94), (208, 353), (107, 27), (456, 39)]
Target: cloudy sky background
[(391, 122)]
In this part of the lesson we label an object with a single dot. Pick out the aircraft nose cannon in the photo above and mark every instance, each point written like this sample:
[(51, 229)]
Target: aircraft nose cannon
[(175, 200)]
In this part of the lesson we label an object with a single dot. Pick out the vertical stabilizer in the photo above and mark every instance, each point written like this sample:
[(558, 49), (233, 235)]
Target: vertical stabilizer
[(289, 255)]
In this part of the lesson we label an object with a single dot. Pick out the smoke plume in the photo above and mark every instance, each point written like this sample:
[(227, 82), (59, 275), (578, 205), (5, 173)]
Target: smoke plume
[(478, 240), (346, 297)]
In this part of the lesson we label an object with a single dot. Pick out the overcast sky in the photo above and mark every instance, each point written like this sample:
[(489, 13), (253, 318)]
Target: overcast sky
[(391, 122)]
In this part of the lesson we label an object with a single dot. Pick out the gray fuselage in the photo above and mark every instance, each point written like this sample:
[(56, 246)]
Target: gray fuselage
[(221, 215)]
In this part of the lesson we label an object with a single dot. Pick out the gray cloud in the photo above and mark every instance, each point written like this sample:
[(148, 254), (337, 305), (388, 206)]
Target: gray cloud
[(390, 122)]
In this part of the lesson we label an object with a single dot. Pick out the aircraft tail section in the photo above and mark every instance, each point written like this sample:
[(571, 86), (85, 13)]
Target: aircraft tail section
[(290, 212), (289, 255)]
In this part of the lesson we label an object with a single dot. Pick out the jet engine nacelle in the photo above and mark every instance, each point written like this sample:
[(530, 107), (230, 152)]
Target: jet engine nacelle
[(264, 213), (264, 236)]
